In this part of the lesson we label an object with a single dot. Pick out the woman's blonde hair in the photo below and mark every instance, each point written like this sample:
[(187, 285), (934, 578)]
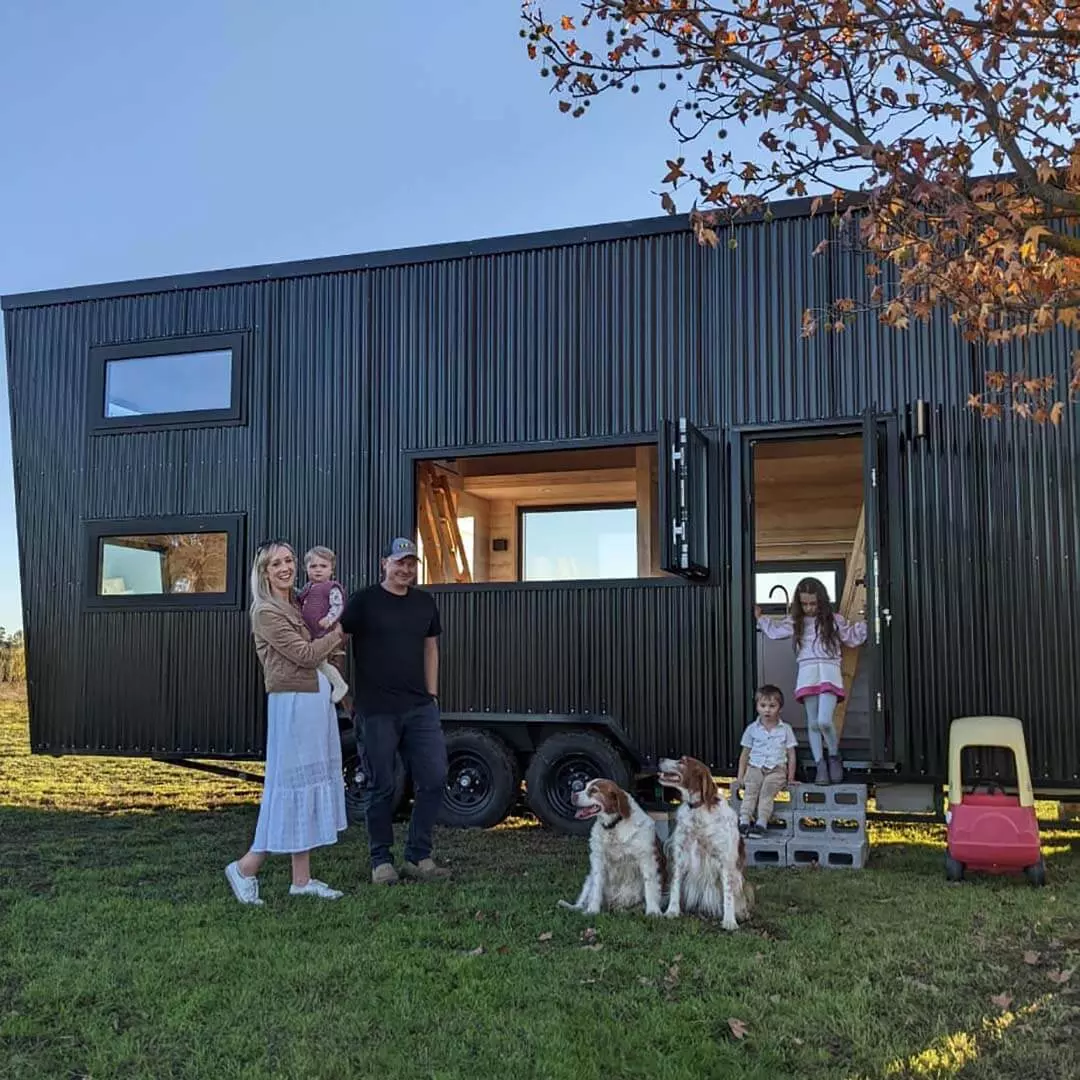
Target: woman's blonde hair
[(260, 583)]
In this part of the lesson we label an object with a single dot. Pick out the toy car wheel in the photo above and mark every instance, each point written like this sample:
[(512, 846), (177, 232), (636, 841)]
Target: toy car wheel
[(1036, 874), (954, 871)]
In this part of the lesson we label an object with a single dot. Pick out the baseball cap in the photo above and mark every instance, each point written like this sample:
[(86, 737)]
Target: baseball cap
[(401, 547)]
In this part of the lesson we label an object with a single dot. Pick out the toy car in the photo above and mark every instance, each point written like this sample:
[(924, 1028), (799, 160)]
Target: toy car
[(990, 831)]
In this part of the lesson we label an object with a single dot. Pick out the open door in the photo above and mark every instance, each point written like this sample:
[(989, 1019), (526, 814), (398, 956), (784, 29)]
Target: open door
[(683, 475), (882, 651)]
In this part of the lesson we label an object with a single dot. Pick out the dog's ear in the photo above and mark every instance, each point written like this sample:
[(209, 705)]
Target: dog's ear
[(622, 803), (706, 786)]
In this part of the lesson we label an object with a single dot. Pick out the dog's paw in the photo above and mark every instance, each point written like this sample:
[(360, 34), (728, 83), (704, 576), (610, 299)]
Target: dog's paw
[(672, 913), (730, 925)]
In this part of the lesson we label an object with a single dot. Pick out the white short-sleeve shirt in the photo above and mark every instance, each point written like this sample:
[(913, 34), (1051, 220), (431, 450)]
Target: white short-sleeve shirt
[(768, 749)]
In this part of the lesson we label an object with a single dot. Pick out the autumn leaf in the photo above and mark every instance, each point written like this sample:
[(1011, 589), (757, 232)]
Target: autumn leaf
[(1059, 977), (564, 106), (547, 935), (588, 934), (1002, 1001), (738, 1027), (675, 171), (1031, 958), (567, 23), (502, 950)]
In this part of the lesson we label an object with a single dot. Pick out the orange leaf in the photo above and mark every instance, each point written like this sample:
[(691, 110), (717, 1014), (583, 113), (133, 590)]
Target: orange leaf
[(738, 1027), (567, 23), (1059, 977), (675, 171), (564, 106), (1057, 410)]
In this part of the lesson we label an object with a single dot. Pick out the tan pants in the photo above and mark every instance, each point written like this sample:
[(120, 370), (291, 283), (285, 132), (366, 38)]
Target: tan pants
[(762, 787)]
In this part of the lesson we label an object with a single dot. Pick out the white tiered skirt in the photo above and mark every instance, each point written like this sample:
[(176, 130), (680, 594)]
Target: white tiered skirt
[(303, 802)]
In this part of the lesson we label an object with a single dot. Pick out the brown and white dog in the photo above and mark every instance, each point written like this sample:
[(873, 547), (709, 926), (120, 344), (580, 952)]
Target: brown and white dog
[(706, 854), (626, 861)]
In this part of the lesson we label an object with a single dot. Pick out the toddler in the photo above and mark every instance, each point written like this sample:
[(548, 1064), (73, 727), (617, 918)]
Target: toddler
[(767, 761), (322, 601)]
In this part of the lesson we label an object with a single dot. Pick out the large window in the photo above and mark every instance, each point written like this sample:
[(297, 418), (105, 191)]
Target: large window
[(192, 381), (579, 543), (164, 563)]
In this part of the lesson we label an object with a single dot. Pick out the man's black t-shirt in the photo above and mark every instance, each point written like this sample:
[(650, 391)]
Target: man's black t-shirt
[(388, 633)]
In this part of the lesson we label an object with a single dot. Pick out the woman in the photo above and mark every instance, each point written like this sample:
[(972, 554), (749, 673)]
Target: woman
[(303, 800)]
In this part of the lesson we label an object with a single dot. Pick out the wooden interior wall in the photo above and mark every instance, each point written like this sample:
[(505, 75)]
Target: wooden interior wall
[(807, 498)]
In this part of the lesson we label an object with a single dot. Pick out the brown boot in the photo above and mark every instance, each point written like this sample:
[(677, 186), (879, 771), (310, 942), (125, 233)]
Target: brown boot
[(425, 870), (384, 874)]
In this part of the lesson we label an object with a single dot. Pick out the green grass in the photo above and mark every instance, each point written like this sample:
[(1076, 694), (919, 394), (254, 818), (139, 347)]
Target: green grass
[(123, 954)]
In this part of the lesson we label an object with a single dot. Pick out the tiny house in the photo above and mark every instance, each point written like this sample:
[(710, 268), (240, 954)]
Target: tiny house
[(610, 443)]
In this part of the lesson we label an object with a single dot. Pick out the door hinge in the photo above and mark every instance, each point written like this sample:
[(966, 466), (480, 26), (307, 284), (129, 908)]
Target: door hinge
[(880, 702), (873, 478)]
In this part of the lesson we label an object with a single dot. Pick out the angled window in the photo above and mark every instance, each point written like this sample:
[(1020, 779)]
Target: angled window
[(161, 564), (170, 382)]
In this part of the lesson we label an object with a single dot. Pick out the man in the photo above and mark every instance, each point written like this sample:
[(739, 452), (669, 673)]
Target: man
[(395, 640)]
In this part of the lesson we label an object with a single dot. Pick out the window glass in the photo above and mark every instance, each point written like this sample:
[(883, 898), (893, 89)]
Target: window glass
[(163, 565), (569, 545), (781, 584), (177, 382)]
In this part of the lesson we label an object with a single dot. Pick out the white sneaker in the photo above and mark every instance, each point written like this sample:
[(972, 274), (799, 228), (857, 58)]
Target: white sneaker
[(245, 889), (315, 888)]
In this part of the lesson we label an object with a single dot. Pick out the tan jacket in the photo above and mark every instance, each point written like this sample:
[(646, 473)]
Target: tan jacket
[(283, 644)]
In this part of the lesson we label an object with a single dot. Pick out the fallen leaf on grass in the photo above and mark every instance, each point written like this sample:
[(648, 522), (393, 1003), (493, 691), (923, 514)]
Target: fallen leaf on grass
[(547, 935), (775, 999), (478, 951), (1002, 1001), (502, 950), (479, 916), (594, 947), (1059, 977), (588, 934), (796, 1040), (738, 1027), (1031, 958)]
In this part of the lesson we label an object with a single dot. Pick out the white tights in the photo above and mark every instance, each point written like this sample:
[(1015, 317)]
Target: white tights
[(819, 724)]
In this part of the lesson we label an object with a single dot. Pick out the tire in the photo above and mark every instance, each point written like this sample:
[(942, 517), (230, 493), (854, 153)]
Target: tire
[(560, 762), (482, 780), (357, 794), (954, 871), (1037, 874)]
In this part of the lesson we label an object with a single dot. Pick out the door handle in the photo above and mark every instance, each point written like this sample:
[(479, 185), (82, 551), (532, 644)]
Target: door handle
[(886, 614)]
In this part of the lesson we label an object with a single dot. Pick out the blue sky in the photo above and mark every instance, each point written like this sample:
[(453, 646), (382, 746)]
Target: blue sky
[(146, 139)]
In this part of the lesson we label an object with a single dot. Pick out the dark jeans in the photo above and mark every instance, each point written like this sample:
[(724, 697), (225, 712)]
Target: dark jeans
[(419, 736)]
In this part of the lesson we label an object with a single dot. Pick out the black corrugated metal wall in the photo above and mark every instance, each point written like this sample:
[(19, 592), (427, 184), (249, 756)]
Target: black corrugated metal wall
[(351, 369)]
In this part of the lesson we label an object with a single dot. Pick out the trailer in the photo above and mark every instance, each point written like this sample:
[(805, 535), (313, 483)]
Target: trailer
[(610, 444)]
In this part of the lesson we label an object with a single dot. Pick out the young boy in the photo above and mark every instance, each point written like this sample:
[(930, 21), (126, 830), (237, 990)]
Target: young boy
[(322, 601), (767, 761)]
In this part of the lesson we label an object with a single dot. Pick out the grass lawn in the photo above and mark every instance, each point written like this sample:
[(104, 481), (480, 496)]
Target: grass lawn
[(123, 954)]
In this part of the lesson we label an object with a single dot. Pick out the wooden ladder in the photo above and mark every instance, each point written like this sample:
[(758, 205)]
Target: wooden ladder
[(853, 600), (439, 532)]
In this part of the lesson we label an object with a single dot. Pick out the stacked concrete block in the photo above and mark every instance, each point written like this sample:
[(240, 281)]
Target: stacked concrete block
[(829, 827), (772, 848)]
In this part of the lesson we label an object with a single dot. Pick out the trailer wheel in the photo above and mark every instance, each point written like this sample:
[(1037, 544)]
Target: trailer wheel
[(358, 790), (954, 871), (1037, 874), (482, 780), (566, 762)]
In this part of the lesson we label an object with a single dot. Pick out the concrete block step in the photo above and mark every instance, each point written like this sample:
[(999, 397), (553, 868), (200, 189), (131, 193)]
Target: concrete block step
[(828, 854)]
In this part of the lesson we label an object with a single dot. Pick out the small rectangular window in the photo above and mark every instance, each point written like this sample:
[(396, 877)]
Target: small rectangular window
[(174, 382), (164, 563), (774, 584), (579, 543)]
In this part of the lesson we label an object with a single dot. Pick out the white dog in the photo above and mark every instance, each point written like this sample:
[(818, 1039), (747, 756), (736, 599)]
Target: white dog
[(706, 854), (626, 862)]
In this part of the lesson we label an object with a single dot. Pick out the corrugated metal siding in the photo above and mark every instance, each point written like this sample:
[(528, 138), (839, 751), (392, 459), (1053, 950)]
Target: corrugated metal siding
[(351, 369)]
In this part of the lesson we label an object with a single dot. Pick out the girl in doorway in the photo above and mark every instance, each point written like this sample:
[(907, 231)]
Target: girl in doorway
[(818, 634)]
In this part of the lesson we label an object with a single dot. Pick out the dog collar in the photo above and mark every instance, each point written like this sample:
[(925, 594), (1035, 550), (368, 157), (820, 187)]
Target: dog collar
[(612, 825)]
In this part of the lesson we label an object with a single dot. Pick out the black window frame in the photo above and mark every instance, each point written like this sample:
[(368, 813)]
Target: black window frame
[(232, 598), (555, 508), (235, 341)]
